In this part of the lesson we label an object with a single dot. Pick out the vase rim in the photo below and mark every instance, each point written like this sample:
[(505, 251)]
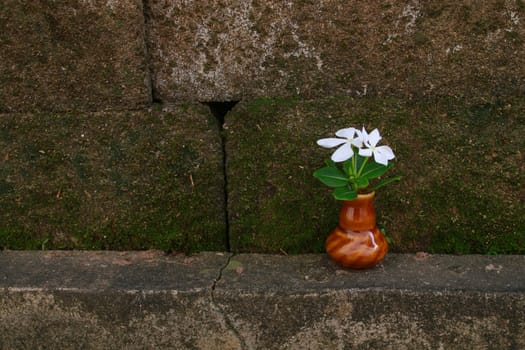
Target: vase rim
[(363, 197), (366, 195), (369, 195)]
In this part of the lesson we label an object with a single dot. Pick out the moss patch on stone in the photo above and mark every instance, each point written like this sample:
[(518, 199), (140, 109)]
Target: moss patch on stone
[(64, 55), (124, 181), (461, 161)]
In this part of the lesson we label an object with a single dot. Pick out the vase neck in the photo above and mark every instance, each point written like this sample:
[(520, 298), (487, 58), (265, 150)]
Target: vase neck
[(358, 214)]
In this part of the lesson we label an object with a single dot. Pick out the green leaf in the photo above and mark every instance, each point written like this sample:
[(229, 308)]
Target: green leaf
[(344, 193), (373, 170), (331, 176), (330, 163), (362, 182), (386, 182), (389, 241), (347, 167)]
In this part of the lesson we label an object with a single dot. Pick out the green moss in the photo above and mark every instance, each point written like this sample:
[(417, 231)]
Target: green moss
[(11, 239), (475, 222), (73, 56), (459, 160), (121, 181), (144, 180), (5, 187)]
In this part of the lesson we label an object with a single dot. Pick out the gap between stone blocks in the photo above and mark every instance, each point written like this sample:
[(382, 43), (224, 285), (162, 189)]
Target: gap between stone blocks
[(219, 110)]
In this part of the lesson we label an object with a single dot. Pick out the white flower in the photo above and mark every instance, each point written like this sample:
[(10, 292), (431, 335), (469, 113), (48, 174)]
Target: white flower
[(382, 154), (349, 137)]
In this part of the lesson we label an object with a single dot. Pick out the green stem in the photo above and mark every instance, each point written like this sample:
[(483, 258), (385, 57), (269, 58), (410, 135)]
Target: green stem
[(354, 160), (362, 167), (386, 182)]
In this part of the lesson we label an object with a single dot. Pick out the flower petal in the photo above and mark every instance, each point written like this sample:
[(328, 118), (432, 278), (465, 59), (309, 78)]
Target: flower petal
[(374, 137), (360, 138), (383, 154), (343, 153), (347, 133), (378, 158), (363, 134), (330, 142), (386, 151), (365, 152), (357, 142)]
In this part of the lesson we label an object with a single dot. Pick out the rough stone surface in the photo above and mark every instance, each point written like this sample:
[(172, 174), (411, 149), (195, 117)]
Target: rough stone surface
[(142, 300), (95, 271), (136, 300), (422, 272), (65, 55), (220, 50), (461, 163), (108, 180), (408, 302)]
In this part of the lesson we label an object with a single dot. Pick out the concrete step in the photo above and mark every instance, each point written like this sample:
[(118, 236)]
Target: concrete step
[(213, 300)]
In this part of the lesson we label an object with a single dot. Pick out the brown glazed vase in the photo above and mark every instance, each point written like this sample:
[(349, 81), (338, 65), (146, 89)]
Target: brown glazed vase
[(357, 243)]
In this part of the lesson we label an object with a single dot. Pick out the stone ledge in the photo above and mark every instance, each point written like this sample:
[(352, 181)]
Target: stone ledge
[(136, 300)]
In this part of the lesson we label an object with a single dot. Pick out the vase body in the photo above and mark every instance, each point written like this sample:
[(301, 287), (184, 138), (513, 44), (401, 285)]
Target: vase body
[(357, 243)]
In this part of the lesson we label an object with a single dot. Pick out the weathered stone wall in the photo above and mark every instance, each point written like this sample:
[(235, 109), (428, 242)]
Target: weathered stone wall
[(462, 170), (223, 50), (72, 55), (112, 180), (443, 81)]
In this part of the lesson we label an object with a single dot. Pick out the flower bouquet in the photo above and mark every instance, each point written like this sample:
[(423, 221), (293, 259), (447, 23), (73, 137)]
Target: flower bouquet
[(356, 242), (355, 150)]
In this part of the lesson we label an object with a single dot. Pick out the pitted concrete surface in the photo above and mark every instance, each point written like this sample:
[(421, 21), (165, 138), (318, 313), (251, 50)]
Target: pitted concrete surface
[(418, 272), (149, 300), (150, 270)]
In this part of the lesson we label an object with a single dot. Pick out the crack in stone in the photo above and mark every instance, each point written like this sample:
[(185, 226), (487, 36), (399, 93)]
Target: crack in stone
[(219, 110), (221, 270), (223, 314)]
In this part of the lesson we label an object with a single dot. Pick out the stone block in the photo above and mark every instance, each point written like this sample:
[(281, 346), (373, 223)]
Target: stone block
[(222, 50), (408, 302), (137, 300), (72, 55), (461, 166), (97, 300), (112, 180)]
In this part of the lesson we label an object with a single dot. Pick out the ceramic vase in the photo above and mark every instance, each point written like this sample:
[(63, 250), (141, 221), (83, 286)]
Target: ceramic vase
[(357, 243)]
